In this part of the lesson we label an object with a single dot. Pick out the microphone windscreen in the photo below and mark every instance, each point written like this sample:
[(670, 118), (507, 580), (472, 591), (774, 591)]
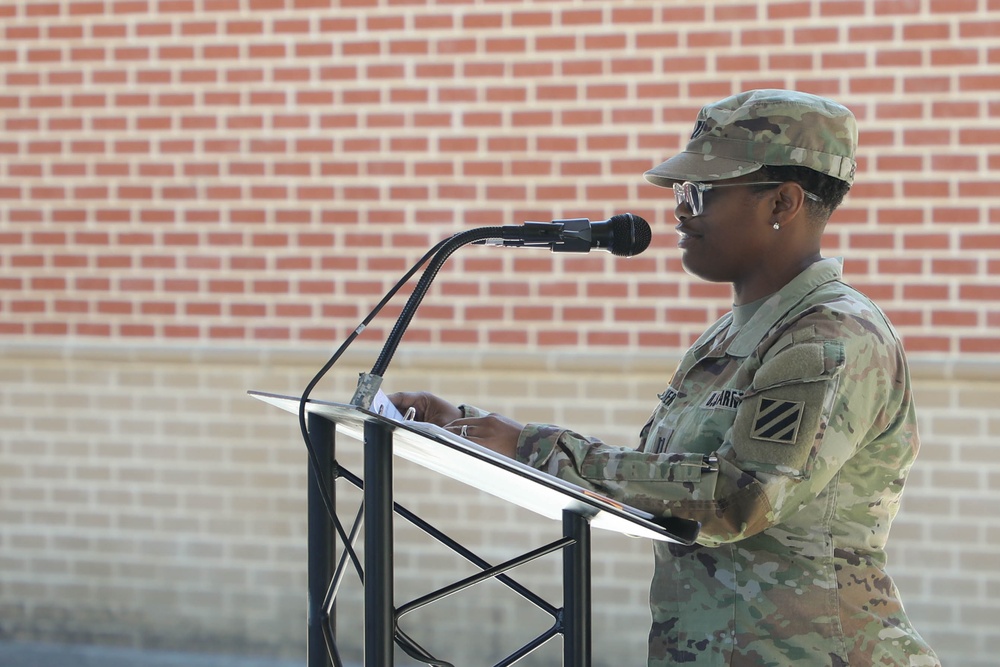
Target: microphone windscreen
[(630, 235)]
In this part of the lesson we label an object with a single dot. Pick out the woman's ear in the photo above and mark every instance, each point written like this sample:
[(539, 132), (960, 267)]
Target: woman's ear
[(787, 201)]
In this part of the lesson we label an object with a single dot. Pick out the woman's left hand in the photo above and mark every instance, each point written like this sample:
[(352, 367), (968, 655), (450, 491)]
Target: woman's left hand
[(493, 431)]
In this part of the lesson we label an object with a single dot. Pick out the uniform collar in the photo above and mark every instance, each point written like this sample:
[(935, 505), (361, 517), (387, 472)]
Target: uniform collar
[(779, 303)]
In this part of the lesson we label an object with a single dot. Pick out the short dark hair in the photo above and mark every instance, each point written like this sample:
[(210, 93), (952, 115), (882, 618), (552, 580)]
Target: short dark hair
[(830, 190)]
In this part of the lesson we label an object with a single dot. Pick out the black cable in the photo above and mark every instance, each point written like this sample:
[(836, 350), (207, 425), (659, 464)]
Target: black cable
[(303, 427)]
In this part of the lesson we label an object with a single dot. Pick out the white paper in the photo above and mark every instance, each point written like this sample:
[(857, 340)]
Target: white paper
[(381, 405)]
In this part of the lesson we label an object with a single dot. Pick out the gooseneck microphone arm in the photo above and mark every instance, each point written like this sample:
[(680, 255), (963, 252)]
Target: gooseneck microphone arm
[(369, 383), (623, 235)]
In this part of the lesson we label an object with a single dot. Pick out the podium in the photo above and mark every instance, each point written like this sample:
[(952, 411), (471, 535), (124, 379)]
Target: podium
[(445, 453)]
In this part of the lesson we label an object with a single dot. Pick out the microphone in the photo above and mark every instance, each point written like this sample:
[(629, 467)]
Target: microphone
[(623, 235)]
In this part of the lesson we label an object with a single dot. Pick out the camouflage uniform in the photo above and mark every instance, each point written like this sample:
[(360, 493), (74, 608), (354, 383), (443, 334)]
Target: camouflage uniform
[(789, 436), (787, 430)]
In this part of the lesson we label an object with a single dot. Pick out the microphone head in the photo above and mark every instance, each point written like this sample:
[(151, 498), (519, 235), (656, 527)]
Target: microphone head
[(630, 235)]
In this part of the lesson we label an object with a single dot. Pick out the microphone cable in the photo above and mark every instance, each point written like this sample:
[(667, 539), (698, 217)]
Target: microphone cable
[(303, 426)]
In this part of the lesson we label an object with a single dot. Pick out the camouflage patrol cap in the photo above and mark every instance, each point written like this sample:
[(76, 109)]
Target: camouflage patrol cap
[(742, 133)]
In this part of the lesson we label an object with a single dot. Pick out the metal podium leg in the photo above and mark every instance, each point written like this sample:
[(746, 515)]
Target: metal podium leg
[(576, 591), (379, 610), (321, 543)]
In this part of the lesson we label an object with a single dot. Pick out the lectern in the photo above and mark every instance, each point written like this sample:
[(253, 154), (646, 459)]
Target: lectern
[(447, 454)]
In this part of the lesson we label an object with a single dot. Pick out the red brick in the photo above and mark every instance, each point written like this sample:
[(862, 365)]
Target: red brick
[(762, 37), (979, 345), (709, 39), (925, 31), (52, 329), (791, 61), (21, 32), (670, 14), (558, 338), (954, 57), (748, 63), (842, 8), (917, 189), (710, 89), (954, 318), (871, 33), (533, 313), (953, 6), (635, 314), (953, 266), (973, 82), (577, 17), (900, 58), (608, 338), (659, 339), (23, 306), (735, 12), (437, 21), (815, 35), (226, 332), (955, 215), (505, 45)]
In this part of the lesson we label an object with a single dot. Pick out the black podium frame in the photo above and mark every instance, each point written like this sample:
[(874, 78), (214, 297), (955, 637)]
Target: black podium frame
[(442, 451)]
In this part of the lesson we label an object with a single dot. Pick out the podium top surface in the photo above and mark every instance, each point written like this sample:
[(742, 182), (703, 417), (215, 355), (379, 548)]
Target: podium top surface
[(446, 453)]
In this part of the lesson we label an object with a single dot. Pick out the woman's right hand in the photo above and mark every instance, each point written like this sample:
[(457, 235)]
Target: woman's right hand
[(428, 407)]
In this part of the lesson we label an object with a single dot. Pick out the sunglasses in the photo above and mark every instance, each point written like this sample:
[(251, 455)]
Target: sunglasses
[(692, 193)]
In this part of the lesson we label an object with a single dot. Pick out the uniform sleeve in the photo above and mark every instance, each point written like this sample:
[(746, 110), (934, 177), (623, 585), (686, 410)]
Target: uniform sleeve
[(727, 501), (471, 411), (814, 400)]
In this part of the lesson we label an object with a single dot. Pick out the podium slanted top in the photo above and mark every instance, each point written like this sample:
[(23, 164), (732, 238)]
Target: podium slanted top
[(448, 454)]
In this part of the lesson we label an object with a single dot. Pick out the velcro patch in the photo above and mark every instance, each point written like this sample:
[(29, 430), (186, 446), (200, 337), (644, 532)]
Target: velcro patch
[(777, 420), (668, 396)]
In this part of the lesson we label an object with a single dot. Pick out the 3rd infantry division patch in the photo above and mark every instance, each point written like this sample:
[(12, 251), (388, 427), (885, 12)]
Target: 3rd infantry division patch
[(777, 420)]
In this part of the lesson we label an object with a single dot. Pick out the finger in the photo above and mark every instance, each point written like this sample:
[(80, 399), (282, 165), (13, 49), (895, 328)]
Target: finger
[(401, 399), (461, 427), (407, 400)]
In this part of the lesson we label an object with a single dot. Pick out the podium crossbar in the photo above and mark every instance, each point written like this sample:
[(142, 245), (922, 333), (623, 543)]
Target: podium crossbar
[(530, 647), (454, 546), (485, 575), (349, 551)]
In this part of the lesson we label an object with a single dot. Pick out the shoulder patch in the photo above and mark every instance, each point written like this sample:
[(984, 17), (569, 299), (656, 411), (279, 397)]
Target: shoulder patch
[(777, 420)]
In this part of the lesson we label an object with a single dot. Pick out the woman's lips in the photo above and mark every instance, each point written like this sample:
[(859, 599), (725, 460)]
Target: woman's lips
[(686, 235)]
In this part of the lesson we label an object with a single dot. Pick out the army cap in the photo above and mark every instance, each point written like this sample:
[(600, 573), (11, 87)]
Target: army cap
[(742, 133)]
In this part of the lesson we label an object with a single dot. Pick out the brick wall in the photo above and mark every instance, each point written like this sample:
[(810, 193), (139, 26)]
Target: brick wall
[(260, 170), (192, 189)]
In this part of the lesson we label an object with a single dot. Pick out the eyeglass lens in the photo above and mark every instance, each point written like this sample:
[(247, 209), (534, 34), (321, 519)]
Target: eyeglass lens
[(688, 193)]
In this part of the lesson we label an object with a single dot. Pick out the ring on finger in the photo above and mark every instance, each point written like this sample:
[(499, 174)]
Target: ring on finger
[(465, 430)]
